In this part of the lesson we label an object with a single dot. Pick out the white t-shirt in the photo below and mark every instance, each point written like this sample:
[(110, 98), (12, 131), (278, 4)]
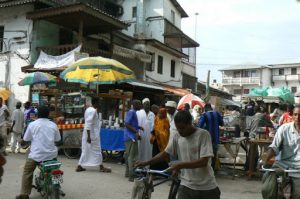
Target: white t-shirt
[(18, 117), (196, 146), (43, 134)]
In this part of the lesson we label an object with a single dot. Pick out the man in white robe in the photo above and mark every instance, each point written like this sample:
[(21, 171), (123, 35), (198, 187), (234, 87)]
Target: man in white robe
[(146, 121), (91, 154)]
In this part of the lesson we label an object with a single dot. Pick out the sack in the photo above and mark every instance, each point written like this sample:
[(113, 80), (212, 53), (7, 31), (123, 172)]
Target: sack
[(269, 187)]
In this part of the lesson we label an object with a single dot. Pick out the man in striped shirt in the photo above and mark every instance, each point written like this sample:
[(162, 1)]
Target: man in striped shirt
[(211, 120)]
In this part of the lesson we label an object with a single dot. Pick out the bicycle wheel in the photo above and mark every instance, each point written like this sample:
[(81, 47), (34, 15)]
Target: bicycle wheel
[(141, 189), (173, 190), (72, 146)]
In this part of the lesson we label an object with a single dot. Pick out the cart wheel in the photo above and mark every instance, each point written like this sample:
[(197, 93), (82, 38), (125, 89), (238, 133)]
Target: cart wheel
[(71, 152)]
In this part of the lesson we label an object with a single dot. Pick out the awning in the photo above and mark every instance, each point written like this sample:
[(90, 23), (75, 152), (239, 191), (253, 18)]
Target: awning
[(94, 20), (133, 54), (176, 38), (177, 91), (227, 102), (146, 85)]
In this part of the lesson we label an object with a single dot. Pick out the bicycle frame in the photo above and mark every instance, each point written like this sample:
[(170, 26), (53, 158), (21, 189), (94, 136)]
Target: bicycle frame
[(148, 185)]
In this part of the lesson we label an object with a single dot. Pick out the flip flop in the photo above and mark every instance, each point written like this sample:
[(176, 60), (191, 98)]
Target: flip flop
[(105, 170), (79, 169)]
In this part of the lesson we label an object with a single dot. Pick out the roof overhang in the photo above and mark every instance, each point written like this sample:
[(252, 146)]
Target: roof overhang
[(94, 20), (30, 68), (179, 8), (176, 37), (166, 48), (11, 3)]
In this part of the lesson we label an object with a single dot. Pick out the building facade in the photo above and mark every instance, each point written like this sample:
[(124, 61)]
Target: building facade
[(239, 80), (144, 35)]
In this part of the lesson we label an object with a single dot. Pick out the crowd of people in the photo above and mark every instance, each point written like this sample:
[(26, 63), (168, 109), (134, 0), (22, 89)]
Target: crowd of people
[(183, 141)]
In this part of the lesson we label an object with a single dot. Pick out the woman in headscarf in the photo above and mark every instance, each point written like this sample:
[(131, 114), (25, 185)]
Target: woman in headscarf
[(160, 138)]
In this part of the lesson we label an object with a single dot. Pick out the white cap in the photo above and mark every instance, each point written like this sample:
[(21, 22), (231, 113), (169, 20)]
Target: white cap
[(171, 104), (146, 100)]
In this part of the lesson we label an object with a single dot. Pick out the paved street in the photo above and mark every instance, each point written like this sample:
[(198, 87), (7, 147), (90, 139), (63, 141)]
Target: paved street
[(92, 184)]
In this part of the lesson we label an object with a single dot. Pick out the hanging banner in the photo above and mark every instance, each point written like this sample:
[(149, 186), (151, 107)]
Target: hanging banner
[(50, 61)]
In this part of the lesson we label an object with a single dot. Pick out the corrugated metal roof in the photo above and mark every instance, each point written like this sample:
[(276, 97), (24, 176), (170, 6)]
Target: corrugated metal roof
[(145, 85)]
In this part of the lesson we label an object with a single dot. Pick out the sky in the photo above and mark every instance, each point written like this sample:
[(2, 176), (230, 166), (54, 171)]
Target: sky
[(243, 32)]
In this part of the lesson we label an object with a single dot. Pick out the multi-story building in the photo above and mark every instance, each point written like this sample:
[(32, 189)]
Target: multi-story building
[(286, 75), (153, 45), (238, 80), (156, 25)]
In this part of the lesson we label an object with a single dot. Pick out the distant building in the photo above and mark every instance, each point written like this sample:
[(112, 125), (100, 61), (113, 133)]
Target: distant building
[(239, 80)]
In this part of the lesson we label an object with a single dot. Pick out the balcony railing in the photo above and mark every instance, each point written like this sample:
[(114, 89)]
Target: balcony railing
[(286, 77), (62, 49), (279, 78), (241, 80), (292, 77)]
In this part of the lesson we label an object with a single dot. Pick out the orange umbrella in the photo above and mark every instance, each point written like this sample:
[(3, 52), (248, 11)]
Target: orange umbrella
[(4, 93)]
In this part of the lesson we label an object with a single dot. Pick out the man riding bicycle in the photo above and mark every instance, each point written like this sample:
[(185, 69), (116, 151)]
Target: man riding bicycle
[(286, 144), (43, 134), (193, 148)]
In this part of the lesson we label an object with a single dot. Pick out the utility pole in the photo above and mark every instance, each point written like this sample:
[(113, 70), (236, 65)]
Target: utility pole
[(196, 16)]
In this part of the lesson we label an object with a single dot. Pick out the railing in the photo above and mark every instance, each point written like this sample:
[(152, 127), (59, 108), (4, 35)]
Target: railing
[(292, 77), (286, 77), (62, 49), (279, 78), (241, 80)]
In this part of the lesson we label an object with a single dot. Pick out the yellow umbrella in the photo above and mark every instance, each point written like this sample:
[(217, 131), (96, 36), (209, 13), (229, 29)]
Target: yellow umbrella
[(97, 70), (4, 93)]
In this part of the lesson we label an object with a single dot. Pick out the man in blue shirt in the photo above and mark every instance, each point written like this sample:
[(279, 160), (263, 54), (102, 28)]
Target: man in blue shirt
[(211, 120), (131, 135)]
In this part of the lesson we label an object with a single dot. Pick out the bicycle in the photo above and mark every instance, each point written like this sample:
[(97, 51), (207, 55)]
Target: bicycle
[(283, 179), (144, 184)]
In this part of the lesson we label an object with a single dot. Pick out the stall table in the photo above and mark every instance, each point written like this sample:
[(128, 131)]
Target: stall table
[(236, 142), (261, 143)]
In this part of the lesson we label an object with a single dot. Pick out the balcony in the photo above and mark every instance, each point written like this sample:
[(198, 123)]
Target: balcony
[(62, 49), (240, 80), (279, 78), (292, 77)]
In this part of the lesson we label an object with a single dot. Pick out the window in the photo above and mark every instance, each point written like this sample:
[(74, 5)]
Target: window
[(294, 71), (160, 64), (134, 12), (236, 74), (294, 89), (281, 71), (237, 91), (151, 66), (246, 91), (246, 73), (172, 16), (1, 37), (172, 68), (253, 73)]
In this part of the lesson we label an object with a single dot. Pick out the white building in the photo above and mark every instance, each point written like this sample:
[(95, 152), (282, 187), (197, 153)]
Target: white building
[(239, 80), (157, 26), (286, 75)]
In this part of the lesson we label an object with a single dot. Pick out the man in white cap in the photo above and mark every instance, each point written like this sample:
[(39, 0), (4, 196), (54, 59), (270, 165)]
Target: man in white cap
[(171, 107), (146, 121)]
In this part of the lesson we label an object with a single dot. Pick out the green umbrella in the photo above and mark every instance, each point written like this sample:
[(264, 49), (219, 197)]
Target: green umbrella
[(37, 78)]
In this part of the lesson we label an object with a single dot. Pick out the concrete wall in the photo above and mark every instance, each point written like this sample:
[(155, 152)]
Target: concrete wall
[(166, 78), (266, 77), (14, 19), (189, 69), (168, 7)]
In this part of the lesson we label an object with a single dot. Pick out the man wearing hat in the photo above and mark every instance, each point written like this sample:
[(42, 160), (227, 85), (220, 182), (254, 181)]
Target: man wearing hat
[(146, 121), (171, 107)]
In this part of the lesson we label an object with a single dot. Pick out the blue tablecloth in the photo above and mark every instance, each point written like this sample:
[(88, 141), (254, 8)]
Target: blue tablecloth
[(112, 140)]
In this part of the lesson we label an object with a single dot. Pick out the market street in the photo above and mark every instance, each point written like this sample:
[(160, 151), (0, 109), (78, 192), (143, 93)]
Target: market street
[(92, 184)]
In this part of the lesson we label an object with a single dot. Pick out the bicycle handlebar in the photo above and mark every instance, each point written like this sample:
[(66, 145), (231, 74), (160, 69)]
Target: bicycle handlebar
[(151, 171), (285, 170)]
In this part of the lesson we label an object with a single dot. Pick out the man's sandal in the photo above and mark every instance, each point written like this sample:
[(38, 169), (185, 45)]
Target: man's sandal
[(105, 170), (79, 169)]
